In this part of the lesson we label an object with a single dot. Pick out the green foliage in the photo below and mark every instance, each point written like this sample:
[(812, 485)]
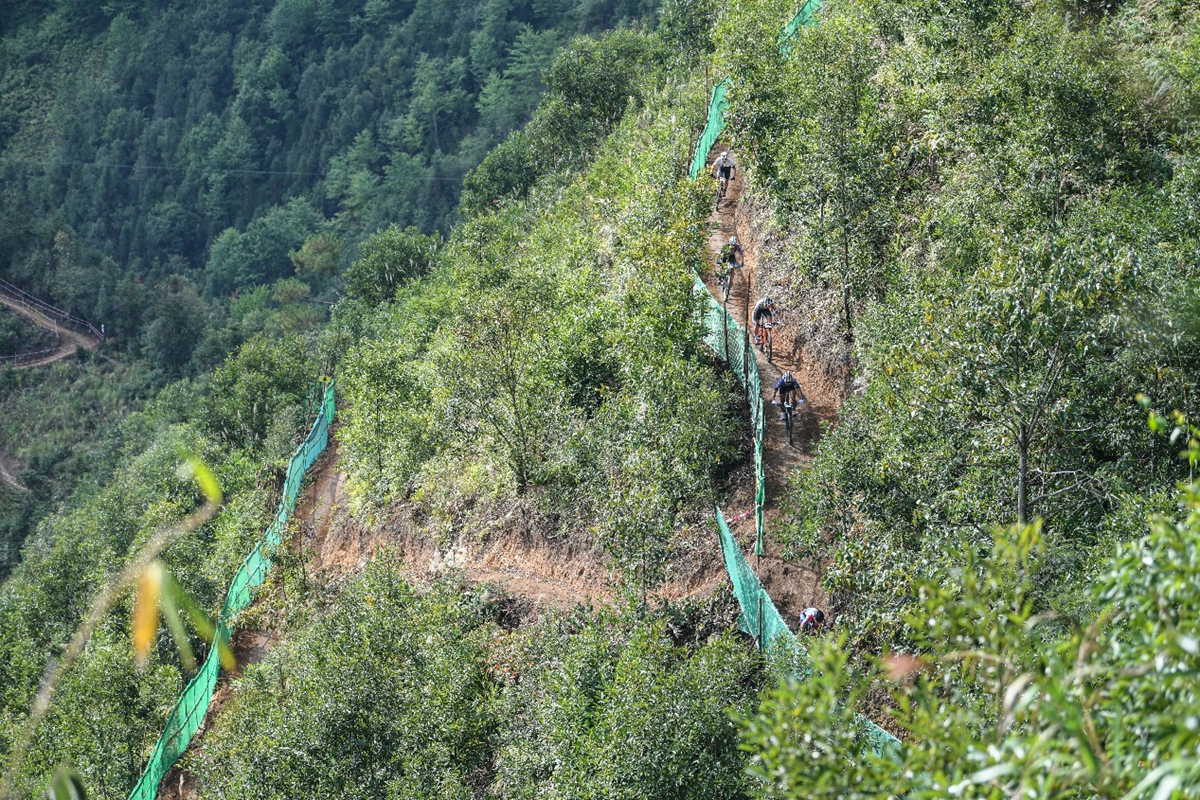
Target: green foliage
[(990, 192), (401, 693), (19, 335), (386, 696), (1004, 695), (387, 260), (59, 424), (555, 347), (260, 254), (179, 318), (637, 718), (589, 87), (262, 380), (685, 27), (320, 254), (65, 563), (829, 162)]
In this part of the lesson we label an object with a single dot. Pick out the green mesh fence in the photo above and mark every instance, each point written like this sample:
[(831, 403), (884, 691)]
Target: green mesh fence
[(805, 16), (712, 129), (758, 618), (729, 341), (185, 718)]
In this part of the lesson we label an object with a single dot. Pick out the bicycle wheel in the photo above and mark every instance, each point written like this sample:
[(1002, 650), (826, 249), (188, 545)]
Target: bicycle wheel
[(769, 348), (726, 285), (788, 421)]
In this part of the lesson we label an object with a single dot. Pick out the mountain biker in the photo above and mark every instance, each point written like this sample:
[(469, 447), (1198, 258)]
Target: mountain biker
[(761, 314), (723, 167), (732, 253), (810, 620), (788, 389)]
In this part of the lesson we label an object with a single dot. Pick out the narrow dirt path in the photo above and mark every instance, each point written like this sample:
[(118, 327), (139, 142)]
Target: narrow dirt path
[(792, 586), (8, 470), (73, 339)]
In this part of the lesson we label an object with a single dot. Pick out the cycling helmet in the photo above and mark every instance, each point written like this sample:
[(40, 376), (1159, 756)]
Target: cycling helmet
[(724, 153), (733, 240), (768, 301), (787, 374)]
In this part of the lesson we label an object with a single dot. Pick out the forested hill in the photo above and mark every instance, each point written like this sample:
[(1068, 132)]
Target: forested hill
[(193, 175), (144, 141), (979, 220)]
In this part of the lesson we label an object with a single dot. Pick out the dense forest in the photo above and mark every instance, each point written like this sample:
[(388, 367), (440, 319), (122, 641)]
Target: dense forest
[(181, 174), (478, 217)]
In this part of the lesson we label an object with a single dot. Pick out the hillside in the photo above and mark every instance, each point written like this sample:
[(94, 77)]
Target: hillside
[(505, 578), (192, 177)]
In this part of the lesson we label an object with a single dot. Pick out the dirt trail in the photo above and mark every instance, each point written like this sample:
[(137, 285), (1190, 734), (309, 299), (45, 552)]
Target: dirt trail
[(73, 339), (9, 469), (507, 543), (792, 586), (522, 553)]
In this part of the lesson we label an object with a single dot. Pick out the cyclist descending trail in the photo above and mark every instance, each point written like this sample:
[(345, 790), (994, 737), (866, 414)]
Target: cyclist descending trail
[(790, 585)]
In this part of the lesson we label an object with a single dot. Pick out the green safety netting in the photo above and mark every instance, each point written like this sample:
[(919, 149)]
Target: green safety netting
[(803, 17), (759, 618), (729, 340), (185, 718), (712, 129)]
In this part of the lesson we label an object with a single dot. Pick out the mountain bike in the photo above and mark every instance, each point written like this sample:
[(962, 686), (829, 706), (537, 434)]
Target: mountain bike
[(722, 187), (725, 280), (763, 339), (789, 416), (725, 273)]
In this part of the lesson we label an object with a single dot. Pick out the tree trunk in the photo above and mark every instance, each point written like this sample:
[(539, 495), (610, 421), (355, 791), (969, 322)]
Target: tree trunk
[(846, 304), (1022, 473)]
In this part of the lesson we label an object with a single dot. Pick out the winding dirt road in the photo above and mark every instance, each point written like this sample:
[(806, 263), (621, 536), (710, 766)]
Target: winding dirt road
[(73, 339)]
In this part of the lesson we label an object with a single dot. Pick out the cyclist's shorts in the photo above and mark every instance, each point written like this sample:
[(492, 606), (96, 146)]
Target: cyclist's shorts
[(762, 314), (725, 172)]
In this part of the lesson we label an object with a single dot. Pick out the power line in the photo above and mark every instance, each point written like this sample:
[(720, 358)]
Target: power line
[(200, 170)]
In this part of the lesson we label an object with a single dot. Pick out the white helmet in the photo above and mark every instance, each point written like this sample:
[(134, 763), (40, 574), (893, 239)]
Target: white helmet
[(724, 153), (733, 240)]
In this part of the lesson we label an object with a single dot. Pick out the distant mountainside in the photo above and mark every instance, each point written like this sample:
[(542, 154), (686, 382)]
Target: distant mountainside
[(140, 141)]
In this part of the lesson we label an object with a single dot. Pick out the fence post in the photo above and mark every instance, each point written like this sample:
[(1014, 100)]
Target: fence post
[(762, 640), (747, 348), (725, 328)]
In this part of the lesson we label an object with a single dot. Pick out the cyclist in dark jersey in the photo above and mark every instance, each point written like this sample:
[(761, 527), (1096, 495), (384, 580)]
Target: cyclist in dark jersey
[(788, 388), (761, 314), (732, 253)]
